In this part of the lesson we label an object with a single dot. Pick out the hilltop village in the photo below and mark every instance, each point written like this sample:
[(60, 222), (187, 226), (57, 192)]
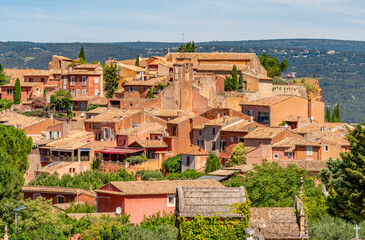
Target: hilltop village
[(163, 107)]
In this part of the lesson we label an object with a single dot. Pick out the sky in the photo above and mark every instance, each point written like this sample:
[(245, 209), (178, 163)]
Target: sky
[(165, 20)]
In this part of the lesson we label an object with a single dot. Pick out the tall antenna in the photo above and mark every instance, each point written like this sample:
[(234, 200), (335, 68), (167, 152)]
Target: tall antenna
[(182, 42)]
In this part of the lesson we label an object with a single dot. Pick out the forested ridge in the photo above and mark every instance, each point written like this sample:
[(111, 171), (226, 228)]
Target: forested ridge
[(339, 65)]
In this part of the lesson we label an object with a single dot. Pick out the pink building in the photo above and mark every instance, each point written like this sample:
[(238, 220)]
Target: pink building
[(144, 198)]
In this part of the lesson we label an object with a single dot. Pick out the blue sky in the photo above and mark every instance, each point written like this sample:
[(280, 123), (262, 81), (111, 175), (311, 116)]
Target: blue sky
[(165, 20)]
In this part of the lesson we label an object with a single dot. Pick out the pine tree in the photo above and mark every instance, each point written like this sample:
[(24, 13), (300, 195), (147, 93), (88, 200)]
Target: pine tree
[(345, 179), (328, 115), (137, 61), (17, 92), (213, 163), (238, 155), (111, 78), (82, 54)]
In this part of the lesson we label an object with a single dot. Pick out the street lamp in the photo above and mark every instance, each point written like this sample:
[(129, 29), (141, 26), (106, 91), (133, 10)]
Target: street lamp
[(16, 210)]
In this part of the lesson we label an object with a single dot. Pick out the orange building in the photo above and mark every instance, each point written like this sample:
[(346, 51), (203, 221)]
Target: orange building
[(84, 79)]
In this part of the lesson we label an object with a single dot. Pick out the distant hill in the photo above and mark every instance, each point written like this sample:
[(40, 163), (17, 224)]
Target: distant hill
[(339, 65)]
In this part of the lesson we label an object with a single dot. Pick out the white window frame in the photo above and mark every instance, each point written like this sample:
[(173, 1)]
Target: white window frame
[(96, 92), (309, 150), (232, 139), (78, 92), (64, 83), (96, 80), (60, 196), (328, 148), (36, 195), (275, 156), (72, 81), (290, 154), (83, 81), (72, 92), (168, 202), (131, 89), (83, 91)]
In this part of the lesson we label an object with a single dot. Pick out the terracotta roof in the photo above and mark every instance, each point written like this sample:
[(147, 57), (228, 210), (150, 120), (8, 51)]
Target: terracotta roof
[(317, 127), (74, 141), (98, 110), (17, 73), (151, 82), (39, 73), (310, 165), (220, 67), (84, 72), (151, 143), (155, 187), (214, 55), (264, 132), (53, 167), (131, 67), (228, 171), (180, 119), (241, 126), (223, 121), (87, 65), (195, 150), (19, 120), (258, 76), (57, 190), (292, 118), (288, 141), (169, 112), (208, 201), (278, 222), (62, 57), (112, 115), (23, 84), (268, 101), (82, 98), (139, 127)]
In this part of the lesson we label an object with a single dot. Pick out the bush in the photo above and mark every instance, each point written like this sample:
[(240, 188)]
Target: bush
[(187, 174), (91, 107), (172, 164), (147, 175), (133, 160), (5, 104), (213, 163), (81, 208), (39, 102)]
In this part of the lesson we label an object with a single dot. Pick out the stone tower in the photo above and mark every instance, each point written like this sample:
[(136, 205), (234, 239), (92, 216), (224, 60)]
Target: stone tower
[(183, 80)]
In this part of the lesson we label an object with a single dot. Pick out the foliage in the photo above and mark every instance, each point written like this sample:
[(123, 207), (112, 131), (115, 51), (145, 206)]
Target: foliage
[(5, 104), (90, 107), (279, 80), (310, 88), (17, 97), (335, 117), (214, 227), (150, 93), (161, 86), (61, 101), (82, 54), (36, 113), (147, 175), (93, 178), (153, 221), (187, 174), (3, 78), (283, 123), (272, 65), (345, 179), (137, 61), (95, 164), (81, 208), (281, 185), (172, 164), (328, 115), (39, 102), (231, 83), (213, 163), (238, 155), (111, 78), (14, 149), (328, 227), (133, 160), (188, 47)]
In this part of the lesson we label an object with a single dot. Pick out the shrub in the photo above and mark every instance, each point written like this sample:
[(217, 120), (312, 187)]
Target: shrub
[(147, 175), (133, 160), (5, 104), (172, 164), (187, 174), (213, 163), (91, 107), (81, 208)]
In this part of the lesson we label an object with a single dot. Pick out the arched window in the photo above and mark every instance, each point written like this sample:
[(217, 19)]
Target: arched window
[(60, 199), (36, 195)]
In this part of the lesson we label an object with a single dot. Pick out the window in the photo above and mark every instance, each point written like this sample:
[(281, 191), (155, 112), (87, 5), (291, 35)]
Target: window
[(276, 156), (174, 130), (213, 146), (95, 125), (43, 79), (30, 79), (124, 142), (188, 161), (200, 143), (82, 106), (290, 155), (64, 82), (248, 112), (96, 80), (27, 91), (36, 195), (131, 89), (78, 92), (213, 130), (97, 136), (326, 148), (240, 139), (10, 91), (223, 146), (232, 139), (106, 134), (83, 91), (84, 81), (72, 80), (200, 132), (73, 92), (60, 198), (96, 92), (152, 68), (264, 117), (90, 125), (171, 200), (222, 134), (309, 150)]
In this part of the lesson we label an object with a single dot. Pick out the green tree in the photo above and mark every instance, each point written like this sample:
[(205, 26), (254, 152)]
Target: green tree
[(90, 107), (188, 47), (328, 115), (345, 179), (3, 78), (17, 97), (14, 149), (231, 83), (172, 164), (61, 101), (240, 82), (82, 54), (238, 155), (137, 61), (96, 163), (111, 78), (213, 163), (5, 104), (272, 65)]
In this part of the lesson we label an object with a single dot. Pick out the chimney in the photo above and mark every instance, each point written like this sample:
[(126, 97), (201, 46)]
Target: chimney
[(90, 187), (138, 177), (299, 122)]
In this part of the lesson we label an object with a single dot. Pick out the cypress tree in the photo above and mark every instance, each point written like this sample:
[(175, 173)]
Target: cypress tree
[(137, 61), (1, 68), (234, 78), (82, 54), (213, 163), (328, 115), (338, 117), (17, 95)]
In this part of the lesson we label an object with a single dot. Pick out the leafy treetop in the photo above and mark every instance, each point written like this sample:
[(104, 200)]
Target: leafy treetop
[(188, 47), (272, 65)]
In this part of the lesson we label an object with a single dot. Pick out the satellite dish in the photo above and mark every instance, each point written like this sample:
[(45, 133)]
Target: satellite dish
[(118, 210)]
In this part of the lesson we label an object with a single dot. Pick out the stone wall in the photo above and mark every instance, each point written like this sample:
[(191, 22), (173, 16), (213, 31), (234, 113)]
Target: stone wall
[(281, 89)]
